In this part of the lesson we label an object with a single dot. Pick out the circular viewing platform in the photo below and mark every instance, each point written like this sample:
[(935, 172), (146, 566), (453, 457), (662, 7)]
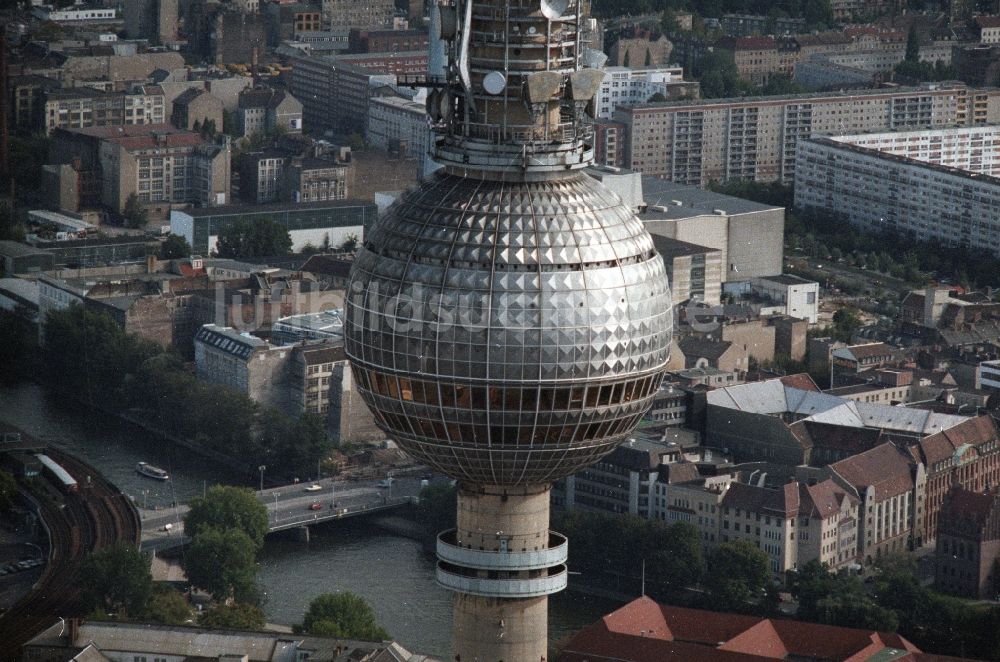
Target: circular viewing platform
[(495, 585), (449, 551)]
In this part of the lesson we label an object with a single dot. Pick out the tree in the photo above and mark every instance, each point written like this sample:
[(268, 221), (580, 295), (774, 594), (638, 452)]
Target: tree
[(174, 247), (253, 238), (657, 97), (737, 574), (227, 507), (912, 46), (134, 214), (718, 74), (673, 556), (845, 323), (8, 490), (167, 606), (350, 243), (18, 345), (342, 615), (116, 580), (817, 13), (222, 562), (233, 617)]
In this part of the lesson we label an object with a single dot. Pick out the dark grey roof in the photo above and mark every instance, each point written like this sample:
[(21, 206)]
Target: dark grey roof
[(670, 248), (17, 249)]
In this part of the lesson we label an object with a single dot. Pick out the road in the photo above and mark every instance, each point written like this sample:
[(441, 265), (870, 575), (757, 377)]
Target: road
[(290, 506)]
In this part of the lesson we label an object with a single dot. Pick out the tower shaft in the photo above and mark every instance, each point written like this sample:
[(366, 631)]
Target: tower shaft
[(503, 563)]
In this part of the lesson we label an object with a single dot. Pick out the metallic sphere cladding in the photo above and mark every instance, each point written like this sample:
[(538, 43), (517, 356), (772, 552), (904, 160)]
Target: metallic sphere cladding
[(508, 333)]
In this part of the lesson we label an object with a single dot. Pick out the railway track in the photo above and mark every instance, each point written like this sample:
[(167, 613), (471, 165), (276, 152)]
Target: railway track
[(95, 516)]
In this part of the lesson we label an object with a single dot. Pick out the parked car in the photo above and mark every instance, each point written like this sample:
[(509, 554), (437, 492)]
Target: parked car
[(315, 506), (313, 488)]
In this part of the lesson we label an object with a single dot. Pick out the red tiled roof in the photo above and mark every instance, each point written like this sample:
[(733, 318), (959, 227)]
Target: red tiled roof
[(870, 350), (988, 21), (643, 631), (885, 467), (942, 445), (801, 381), (142, 136), (822, 499)]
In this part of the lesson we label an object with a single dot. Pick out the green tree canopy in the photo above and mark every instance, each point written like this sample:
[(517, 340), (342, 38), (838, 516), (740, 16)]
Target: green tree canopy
[(227, 507), (18, 345), (134, 214), (737, 573), (237, 616), (174, 247), (253, 238), (342, 615), (167, 606), (716, 70), (912, 46), (222, 562), (8, 490), (116, 580)]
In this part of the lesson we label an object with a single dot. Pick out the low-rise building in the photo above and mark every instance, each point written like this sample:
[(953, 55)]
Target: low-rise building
[(797, 296), (196, 109), (399, 127), (262, 109), (847, 362), (694, 272), (244, 363), (81, 107), (316, 223), (103, 640)]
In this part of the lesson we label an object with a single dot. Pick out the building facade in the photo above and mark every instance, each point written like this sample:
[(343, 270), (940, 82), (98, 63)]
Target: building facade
[(399, 126), (968, 545), (316, 223), (757, 138), (939, 185)]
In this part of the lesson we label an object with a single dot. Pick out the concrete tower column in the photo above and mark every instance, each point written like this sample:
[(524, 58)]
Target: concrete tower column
[(503, 563)]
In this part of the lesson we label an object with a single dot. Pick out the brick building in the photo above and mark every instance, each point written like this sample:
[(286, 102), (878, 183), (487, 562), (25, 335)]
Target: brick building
[(968, 545)]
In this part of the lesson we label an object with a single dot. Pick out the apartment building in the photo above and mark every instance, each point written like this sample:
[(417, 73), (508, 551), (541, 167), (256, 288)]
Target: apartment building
[(682, 495), (756, 138), (242, 362), (78, 108), (756, 58), (629, 86), (155, 20), (313, 179), (261, 175), (938, 185), (161, 164), (353, 14), (335, 95), (263, 109), (766, 518), (398, 126)]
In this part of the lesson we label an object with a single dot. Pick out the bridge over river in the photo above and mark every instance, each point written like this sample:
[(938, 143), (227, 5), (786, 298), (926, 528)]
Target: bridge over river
[(295, 506)]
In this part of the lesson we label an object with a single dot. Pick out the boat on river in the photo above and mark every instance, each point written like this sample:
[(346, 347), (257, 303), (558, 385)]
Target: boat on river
[(149, 471)]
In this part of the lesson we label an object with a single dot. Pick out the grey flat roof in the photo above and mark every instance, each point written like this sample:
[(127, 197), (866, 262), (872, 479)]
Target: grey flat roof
[(787, 279), (224, 210), (17, 249), (668, 247), (694, 201)]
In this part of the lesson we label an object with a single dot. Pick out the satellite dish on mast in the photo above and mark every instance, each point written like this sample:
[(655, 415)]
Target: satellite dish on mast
[(553, 9), (494, 83)]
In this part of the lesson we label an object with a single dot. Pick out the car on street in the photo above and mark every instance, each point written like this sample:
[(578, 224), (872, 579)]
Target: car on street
[(315, 506), (313, 488)]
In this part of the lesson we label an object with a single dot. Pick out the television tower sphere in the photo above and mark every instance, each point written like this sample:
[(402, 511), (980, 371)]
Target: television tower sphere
[(508, 332)]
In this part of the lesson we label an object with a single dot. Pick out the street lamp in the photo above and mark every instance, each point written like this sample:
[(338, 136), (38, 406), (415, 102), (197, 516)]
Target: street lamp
[(276, 507), (261, 470)]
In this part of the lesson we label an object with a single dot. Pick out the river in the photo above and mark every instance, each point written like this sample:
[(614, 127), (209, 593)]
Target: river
[(392, 573)]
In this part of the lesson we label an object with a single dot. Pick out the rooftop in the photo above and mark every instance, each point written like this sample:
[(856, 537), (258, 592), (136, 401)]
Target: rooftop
[(670, 248), (225, 210), (787, 279), (667, 201), (810, 96)]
